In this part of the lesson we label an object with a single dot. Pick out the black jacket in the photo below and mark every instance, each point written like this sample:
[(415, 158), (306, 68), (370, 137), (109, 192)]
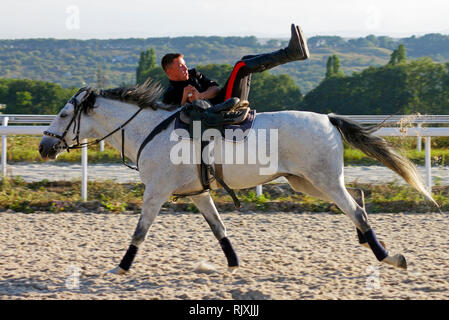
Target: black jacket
[(173, 94)]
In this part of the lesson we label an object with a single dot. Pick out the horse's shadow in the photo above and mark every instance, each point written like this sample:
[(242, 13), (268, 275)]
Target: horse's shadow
[(19, 286), (16, 287)]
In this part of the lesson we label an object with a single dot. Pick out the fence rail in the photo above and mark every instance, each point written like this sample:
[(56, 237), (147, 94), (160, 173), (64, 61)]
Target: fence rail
[(376, 119), (419, 131)]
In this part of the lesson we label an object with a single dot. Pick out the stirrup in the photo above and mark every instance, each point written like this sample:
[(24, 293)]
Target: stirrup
[(228, 105)]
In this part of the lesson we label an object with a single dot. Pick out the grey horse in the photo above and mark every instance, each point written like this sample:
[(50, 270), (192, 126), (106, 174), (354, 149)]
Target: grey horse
[(309, 149)]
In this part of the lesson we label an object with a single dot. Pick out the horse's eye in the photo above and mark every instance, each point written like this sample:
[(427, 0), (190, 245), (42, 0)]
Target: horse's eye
[(63, 115)]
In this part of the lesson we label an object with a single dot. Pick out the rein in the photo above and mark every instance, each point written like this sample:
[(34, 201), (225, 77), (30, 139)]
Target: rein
[(77, 114), (96, 141)]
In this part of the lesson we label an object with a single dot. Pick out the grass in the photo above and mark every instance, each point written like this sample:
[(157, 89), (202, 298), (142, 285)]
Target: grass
[(407, 147), (18, 195), (438, 157), (25, 149), (107, 196)]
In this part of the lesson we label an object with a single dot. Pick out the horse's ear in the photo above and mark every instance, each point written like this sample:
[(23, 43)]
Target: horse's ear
[(82, 94), (89, 101)]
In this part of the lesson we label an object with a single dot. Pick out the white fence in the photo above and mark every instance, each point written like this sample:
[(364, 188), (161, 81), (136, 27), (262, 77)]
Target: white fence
[(419, 131)]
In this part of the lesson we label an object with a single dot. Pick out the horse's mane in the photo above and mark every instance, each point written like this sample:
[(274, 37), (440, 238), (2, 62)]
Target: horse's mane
[(145, 95)]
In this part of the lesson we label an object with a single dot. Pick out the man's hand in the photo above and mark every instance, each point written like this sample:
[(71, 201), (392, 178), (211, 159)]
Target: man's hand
[(190, 94)]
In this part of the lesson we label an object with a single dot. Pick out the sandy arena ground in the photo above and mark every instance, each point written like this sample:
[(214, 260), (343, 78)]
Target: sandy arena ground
[(283, 256)]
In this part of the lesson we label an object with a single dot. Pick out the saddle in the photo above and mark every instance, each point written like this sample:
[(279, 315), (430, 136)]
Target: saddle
[(230, 112)]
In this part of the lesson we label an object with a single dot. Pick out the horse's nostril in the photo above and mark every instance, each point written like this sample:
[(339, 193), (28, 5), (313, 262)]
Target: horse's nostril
[(42, 151)]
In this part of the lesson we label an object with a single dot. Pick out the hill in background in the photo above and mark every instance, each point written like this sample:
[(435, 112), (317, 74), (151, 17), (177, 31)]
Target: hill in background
[(76, 62)]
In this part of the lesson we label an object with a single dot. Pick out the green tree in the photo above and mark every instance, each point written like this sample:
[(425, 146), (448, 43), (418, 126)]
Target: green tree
[(148, 68), (23, 99), (333, 66), (393, 58), (217, 72), (410, 86), (147, 62), (336, 65), (398, 56), (427, 83), (401, 54), (329, 67), (23, 96), (3, 92), (274, 92)]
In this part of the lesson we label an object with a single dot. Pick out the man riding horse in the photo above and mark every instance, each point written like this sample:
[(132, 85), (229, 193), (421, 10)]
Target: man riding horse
[(314, 166), (188, 85)]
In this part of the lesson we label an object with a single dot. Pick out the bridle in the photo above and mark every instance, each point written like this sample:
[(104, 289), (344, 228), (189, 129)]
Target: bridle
[(79, 107)]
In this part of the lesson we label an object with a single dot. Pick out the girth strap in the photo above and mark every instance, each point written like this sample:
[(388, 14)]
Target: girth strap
[(160, 127), (225, 186)]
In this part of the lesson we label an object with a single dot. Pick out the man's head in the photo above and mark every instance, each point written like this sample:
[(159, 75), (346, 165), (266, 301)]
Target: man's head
[(175, 67)]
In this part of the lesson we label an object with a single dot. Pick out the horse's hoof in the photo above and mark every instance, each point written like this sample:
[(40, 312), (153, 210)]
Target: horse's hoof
[(117, 270), (397, 260), (233, 269), (402, 263)]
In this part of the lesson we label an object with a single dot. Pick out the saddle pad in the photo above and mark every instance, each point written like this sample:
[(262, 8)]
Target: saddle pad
[(244, 126)]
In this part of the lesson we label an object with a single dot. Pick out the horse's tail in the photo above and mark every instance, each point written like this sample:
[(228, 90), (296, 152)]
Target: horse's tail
[(379, 149)]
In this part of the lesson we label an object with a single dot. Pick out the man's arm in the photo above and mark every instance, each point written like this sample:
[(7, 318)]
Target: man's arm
[(212, 87), (191, 94), (210, 93)]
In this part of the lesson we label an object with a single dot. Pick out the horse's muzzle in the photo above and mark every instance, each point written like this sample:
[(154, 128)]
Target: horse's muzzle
[(49, 148)]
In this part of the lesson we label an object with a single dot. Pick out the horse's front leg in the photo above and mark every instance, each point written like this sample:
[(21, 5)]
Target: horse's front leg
[(206, 206), (152, 203)]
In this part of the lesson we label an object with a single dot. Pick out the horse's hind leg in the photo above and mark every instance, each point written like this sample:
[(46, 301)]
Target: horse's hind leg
[(300, 184), (359, 197), (207, 208), (337, 191)]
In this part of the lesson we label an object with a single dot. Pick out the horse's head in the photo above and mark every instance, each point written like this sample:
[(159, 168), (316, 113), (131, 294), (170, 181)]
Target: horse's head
[(70, 125)]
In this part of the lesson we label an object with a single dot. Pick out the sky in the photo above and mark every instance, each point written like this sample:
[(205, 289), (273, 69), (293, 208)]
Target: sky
[(105, 19)]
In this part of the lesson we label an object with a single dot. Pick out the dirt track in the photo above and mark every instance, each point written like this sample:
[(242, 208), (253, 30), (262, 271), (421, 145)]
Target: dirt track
[(283, 256)]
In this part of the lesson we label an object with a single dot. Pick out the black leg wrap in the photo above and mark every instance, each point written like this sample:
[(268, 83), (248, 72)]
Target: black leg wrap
[(233, 260), (362, 239), (128, 258), (378, 250)]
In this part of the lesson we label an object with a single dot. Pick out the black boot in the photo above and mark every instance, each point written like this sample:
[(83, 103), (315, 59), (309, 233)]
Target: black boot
[(296, 50)]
